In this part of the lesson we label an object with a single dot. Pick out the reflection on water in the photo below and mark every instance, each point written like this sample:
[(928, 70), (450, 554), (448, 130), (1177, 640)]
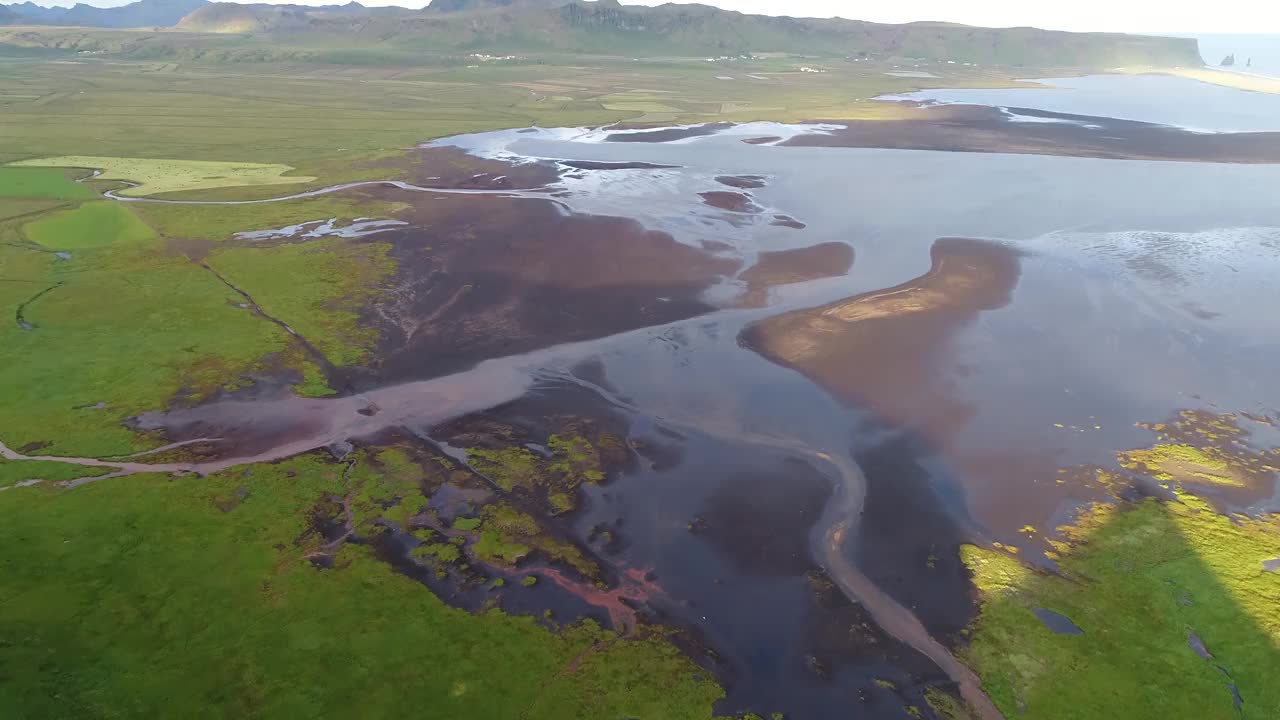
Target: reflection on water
[(1112, 292), (1139, 295)]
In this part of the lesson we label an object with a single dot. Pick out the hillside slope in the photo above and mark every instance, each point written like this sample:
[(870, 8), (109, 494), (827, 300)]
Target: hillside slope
[(297, 32), (144, 13)]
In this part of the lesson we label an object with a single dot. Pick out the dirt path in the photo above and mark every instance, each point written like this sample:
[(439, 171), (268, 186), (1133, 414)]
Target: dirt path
[(276, 429), (538, 194)]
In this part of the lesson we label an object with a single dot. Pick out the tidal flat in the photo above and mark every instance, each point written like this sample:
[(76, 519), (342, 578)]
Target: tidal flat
[(800, 468)]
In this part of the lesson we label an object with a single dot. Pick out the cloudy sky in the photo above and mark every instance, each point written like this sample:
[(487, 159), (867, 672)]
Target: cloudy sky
[(1190, 16)]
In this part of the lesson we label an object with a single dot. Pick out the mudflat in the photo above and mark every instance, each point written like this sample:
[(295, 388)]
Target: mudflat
[(977, 128)]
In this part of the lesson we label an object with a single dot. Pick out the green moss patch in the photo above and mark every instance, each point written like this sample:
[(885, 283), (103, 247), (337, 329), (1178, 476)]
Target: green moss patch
[(1201, 448), (507, 536), (554, 481)]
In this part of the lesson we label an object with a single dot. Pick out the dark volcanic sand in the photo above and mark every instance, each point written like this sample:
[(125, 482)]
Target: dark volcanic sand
[(911, 532), (662, 135), (977, 128), (760, 522), (788, 222), (601, 165), (893, 336), (451, 167), (731, 201), (485, 276), (792, 266), (742, 182)]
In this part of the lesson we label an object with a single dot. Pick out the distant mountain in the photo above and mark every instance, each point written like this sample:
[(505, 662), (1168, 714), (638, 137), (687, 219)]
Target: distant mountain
[(602, 27), (449, 6), (29, 12), (262, 18), (144, 13), (610, 28), (235, 18)]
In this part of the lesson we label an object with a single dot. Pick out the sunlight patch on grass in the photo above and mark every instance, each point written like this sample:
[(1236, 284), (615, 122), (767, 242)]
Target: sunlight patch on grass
[(155, 176)]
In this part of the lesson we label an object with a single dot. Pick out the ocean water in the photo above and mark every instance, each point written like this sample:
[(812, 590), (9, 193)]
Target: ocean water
[(1161, 99), (1262, 50)]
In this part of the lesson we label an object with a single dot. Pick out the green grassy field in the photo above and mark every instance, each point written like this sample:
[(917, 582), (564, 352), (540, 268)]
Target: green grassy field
[(91, 225), (127, 324), (155, 597), (50, 183), (328, 121), (320, 286), (1153, 586), (22, 471)]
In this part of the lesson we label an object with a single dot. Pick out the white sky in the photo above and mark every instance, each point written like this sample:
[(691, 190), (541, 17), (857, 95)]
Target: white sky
[(1183, 16)]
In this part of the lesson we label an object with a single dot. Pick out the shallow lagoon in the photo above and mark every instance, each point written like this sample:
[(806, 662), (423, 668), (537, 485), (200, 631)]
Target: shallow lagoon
[(1142, 291)]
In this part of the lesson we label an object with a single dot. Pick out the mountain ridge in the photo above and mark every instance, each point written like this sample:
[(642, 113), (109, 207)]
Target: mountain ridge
[(610, 28), (143, 13)]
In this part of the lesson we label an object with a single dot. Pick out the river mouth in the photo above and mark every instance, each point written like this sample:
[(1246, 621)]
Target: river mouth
[(910, 370)]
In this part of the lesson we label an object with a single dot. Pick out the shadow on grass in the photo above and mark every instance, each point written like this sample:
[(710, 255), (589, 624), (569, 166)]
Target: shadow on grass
[(1179, 618)]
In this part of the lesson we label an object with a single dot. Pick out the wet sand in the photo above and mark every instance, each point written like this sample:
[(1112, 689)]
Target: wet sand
[(600, 165), (732, 201), (450, 167), (977, 128), (894, 336), (783, 267), (742, 182), (788, 222), (481, 277)]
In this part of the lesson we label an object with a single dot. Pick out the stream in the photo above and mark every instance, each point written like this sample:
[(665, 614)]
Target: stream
[(276, 429), (1138, 280)]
